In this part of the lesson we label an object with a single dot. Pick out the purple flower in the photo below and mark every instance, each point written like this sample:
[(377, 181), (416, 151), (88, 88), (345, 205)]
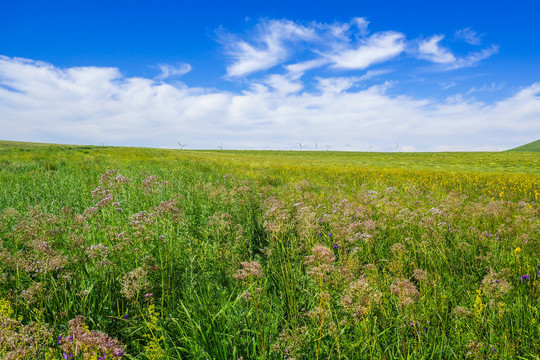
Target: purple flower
[(68, 356), (329, 234), (335, 246), (148, 295), (119, 353), (126, 316), (525, 277), (59, 340)]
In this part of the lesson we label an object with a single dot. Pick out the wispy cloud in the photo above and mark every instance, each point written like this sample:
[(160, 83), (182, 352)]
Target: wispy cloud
[(469, 36), (302, 67), (168, 70), (340, 84), (485, 88), (362, 25), (474, 58), (341, 45), (347, 46), (431, 50), (268, 47), (284, 84), (377, 48), (42, 102)]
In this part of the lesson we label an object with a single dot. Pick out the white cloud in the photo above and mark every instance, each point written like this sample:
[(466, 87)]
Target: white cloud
[(283, 84), (300, 68), (361, 24), (470, 36), (377, 48), (344, 45), (268, 46), (168, 70), (475, 57), (41, 102), (341, 45), (431, 50), (341, 84), (485, 88), (336, 85)]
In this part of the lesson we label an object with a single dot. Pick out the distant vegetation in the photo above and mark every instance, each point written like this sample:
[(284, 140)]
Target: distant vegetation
[(109, 253), (533, 146)]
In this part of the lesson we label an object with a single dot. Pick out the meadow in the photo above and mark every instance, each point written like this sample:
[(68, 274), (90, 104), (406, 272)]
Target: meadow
[(131, 253)]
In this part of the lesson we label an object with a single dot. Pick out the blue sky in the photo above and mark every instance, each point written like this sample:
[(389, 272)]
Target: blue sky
[(347, 75)]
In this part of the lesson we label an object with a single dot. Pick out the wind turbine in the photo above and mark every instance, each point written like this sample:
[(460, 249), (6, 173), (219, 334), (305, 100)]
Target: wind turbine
[(182, 146), (220, 147), (327, 147), (300, 144)]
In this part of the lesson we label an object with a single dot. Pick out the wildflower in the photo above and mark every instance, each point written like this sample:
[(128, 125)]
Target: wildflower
[(119, 353), (525, 277), (90, 344), (495, 285), (461, 311), (335, 246), (97, 251), (148, 295), (420, 275), (321, 261), (246, 295), (479, 305), (134, 282), (398, 250), (405, 291), (517, 250), (249, 269)]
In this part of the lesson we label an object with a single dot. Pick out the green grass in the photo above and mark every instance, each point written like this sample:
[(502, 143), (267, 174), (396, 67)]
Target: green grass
[(533, 146), (182, 254)]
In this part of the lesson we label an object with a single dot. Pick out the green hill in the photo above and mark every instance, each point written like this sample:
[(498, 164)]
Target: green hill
[(533, 146)]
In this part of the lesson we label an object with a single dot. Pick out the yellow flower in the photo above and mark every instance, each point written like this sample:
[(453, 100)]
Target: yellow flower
[(517, 250), (479, 306), (5, 308)]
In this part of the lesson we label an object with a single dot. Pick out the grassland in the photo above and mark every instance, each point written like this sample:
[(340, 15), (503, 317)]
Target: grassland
[(532, 146), (167, 254)]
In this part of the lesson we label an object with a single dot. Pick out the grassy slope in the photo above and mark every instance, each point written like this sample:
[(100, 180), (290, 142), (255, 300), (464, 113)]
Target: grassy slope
[(533, 146)]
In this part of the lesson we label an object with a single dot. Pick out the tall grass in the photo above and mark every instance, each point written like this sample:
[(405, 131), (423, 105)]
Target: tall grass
[(155, 254)]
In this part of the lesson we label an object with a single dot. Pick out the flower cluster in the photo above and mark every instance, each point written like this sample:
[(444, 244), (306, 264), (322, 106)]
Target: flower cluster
[(134, 282), (249, 270), (406, 292), (80, 341)]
